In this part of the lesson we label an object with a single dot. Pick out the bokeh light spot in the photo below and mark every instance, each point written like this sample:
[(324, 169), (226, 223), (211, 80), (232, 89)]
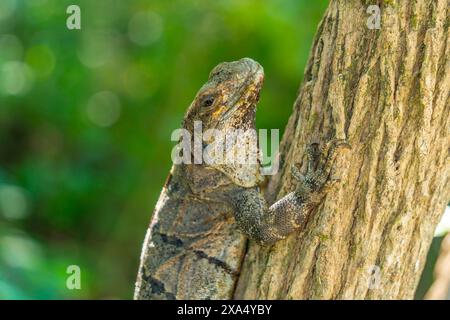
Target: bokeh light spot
[(15, 78), (444, 225), (13, 202), (7, 8), (103, 109), (97, 48), (145, 28), (20, 252), (41, 59)]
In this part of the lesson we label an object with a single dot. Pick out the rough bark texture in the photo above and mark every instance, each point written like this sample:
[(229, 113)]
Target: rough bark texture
[(387, 92)]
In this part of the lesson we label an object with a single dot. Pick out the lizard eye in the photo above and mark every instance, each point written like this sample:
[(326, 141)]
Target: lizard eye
[(208, 101)]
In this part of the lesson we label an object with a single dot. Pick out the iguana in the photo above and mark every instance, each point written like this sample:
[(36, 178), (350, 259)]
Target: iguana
[(198, 235)]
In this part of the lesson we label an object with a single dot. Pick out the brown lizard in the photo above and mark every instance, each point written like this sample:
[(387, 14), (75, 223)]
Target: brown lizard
[(206, 212)]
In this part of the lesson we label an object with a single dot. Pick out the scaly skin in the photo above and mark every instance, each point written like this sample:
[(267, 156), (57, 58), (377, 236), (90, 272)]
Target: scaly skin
[(197, 239)]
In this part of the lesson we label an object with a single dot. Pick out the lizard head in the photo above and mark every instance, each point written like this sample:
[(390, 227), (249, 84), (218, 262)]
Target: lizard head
[(227, 103), (229, 98)]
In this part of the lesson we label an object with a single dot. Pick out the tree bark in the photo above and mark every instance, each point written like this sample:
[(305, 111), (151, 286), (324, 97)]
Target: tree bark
[(387, 92)]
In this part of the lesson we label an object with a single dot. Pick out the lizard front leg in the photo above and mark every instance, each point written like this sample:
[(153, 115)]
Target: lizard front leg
[(269, 224)]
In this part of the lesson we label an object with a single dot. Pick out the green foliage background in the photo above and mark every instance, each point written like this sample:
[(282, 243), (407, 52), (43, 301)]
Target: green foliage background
[(80, 172)]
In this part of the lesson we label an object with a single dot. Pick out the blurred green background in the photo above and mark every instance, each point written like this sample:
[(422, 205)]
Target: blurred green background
[(86, 117)]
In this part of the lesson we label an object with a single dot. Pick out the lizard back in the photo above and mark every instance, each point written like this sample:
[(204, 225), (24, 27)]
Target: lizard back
[(193, 249)]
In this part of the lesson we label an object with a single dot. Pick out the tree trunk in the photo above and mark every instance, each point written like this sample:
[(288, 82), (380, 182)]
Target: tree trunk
[(387, 91)]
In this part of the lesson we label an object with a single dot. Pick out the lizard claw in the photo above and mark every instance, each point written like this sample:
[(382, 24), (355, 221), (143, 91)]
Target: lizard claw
[(295, 171), (330, 151), (320, 164)]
